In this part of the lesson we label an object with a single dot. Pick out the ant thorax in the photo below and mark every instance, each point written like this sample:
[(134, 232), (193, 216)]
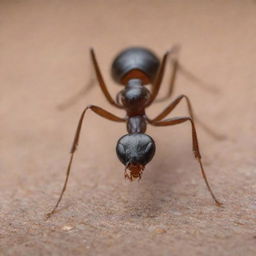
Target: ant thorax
[(134, 97)]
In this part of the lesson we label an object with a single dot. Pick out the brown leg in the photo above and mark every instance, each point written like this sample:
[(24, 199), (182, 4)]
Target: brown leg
[(157, 84), (178, 67), (175, 65), (178, 120), (101, 81), (170, 108), (172, 82), (101, 112), (173, 104)]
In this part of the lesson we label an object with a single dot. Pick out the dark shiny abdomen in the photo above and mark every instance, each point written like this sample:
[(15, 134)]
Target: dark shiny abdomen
[(138, 63)]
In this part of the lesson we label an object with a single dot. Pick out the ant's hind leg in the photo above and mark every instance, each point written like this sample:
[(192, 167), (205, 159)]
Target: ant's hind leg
[(158, 81), (101, 112), (175, 67), (178, 120), (89, 85), (101, 81)]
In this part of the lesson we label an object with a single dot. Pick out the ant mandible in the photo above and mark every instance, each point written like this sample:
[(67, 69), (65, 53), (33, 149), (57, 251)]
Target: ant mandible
[(135, 67)]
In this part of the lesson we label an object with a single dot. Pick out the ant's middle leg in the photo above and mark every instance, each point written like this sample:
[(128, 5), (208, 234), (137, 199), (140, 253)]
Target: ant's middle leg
[(170, 108), (101, 112), (174, 103)]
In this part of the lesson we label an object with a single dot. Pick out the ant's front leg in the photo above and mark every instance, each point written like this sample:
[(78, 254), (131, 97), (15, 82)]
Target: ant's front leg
[(178, 120), (101, 112)]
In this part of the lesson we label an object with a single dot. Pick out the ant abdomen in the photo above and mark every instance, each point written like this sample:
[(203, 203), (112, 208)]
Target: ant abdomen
[(135, 62)]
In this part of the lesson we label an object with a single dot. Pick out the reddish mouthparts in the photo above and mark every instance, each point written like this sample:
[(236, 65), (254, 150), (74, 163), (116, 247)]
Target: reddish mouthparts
[(134, 171)]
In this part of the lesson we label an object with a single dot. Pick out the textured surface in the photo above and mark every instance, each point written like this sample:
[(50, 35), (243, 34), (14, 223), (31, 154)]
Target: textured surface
[(44, 60)]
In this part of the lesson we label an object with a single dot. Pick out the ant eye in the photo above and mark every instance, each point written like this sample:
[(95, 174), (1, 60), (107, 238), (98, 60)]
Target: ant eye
[(148, 152), (121, 148), (121, 152), (149, 147)]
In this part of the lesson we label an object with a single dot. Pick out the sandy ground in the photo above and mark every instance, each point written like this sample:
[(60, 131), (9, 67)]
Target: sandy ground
[(44, 60)]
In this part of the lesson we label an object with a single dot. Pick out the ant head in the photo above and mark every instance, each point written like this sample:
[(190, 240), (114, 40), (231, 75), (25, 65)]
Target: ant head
[(135, 151)]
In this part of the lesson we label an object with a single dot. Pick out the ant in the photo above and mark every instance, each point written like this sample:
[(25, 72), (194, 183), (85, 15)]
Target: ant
[(134, 68)]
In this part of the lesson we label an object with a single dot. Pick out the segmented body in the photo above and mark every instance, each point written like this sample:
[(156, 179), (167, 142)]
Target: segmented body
[(134, 68)]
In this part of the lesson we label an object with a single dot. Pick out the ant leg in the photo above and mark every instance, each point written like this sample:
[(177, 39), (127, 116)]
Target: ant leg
[(158, 81), (172, 82), (157, 84), (175, 65), (170, 108), (178, 120), (173, 104), (101, 81), (101, 112)]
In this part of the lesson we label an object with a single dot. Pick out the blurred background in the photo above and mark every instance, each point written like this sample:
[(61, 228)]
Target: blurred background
[(44, 62)]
